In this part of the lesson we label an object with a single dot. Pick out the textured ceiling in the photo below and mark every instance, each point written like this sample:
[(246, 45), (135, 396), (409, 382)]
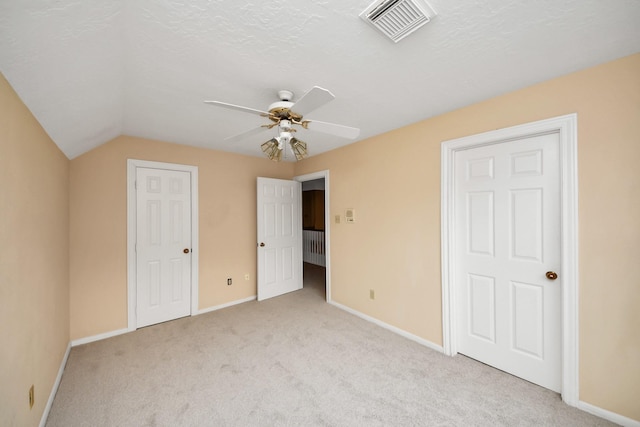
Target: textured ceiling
[(90, 70)]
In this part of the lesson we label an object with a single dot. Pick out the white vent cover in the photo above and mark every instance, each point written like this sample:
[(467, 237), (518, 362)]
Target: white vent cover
[(397, 19)]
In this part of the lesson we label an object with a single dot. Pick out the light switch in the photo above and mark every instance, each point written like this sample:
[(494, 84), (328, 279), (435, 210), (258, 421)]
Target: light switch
[(337, 219)]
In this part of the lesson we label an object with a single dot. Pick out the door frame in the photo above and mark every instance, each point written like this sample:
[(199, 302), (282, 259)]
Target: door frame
[(327, 224), (566, 127), (132, 164)]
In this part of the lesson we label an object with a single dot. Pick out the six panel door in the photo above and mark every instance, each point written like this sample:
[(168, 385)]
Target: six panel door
[(279, 237), (507, 228), (163, 248)]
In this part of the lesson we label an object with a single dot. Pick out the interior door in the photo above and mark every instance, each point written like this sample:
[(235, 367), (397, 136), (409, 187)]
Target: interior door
[(163, 245), (279, 237), (507, 227)]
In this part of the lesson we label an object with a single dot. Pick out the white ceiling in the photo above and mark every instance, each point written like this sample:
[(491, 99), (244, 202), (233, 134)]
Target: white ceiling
[(90, 70)]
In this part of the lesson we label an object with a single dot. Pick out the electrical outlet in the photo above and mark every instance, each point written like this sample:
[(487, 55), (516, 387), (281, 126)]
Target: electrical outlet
[(337, 219), (32, 397), (229, 281), (246, 276), (372, 294)]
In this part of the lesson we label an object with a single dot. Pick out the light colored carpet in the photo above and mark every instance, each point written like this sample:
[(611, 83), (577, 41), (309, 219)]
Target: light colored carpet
[(290, 361)]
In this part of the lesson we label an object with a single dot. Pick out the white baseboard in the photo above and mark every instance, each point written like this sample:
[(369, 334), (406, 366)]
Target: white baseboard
[(54, 389), (225, 305), (106, 335), (99, 337), (392, 328), (607, 415)]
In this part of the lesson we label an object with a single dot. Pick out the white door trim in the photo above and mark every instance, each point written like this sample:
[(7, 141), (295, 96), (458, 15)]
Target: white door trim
[(566, 127), (132, 164), (327, 223)]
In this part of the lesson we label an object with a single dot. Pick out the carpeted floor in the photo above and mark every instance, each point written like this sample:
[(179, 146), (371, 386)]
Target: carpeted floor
[(293, 360)]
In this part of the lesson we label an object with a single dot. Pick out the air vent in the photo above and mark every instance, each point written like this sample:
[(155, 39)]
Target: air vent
[(397, 19)]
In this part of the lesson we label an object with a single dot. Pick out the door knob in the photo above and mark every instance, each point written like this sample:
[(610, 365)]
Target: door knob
[(262, 244), (185, 250), (551, 275)]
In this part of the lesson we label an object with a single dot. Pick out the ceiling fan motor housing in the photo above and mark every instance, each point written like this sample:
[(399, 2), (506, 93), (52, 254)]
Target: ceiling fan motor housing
[(285, 95), (281, 110)]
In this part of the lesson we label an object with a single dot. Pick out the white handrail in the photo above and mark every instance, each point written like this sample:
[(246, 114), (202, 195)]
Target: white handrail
[(313, 247)]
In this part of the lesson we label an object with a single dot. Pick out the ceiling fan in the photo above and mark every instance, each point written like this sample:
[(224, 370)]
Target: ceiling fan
[(287, 116)]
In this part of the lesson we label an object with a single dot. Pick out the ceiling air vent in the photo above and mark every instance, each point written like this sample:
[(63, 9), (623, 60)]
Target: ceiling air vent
[(397, 19)]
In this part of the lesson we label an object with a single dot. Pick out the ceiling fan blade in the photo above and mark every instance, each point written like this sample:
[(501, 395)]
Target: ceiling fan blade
[(246, 134), (237, 107), (312, 100), (333, 129)]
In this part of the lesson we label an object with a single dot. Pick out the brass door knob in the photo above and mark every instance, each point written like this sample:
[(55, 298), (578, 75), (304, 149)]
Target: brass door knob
[(551, 275), (185, 250), (262, 244)]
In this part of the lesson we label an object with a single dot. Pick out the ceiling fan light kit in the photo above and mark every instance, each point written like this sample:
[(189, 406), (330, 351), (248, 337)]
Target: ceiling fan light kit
[(273, 149), (299, 149), (286, 114)]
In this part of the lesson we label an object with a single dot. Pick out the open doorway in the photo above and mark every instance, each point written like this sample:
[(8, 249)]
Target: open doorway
[(315, 233), (313, 239)]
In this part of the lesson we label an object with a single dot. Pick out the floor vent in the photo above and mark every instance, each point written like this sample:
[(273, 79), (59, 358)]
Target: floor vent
[(397, 19)]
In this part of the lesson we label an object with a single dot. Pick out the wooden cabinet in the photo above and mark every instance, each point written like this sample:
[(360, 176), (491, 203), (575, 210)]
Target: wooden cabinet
[(313, 210)]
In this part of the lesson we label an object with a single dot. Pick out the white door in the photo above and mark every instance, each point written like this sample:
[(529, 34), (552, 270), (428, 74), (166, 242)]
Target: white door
[(507, 228), (163, 245), (279, 237)]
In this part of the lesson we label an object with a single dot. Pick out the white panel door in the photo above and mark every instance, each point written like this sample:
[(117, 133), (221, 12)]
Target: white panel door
[(279, 237), (507, 228), (163, 245)]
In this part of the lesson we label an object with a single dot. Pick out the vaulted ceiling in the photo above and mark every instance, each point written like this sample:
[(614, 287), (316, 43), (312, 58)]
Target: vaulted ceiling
[(90, 70)]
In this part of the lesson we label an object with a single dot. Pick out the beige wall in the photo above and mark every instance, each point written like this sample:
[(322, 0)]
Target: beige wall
[(227, 209), (34, 261), (393, 182)]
